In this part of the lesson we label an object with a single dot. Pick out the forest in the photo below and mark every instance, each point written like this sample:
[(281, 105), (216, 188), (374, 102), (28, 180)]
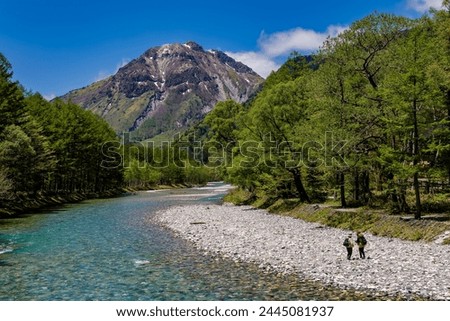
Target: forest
[(50, 150), (365, 121)]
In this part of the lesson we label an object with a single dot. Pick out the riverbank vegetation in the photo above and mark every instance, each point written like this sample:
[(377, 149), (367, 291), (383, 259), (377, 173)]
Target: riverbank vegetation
[(50, 152), (365, 122), (148, 166)]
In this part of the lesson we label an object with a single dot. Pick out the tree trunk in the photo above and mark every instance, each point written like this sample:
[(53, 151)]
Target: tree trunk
[(418, 212), (356, 186), (448, 169), (342, 189), (299, 186), (365, 187), (427, 187), (380, 182), (448, 119), (403, 205)]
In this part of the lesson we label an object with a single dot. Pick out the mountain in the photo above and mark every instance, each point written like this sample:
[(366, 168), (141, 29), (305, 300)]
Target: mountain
[(167, 88)]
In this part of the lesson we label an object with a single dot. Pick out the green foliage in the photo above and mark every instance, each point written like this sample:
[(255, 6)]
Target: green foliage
[(51, 148), (6, 185), (148, 165), (11, 96), (238, 196), (140, 175), (366, 120), (290, 70), (77, 139), (21, 157), (223, 122), (197, 175)]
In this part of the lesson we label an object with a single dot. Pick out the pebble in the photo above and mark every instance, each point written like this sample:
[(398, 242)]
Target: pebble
[(288, 245)]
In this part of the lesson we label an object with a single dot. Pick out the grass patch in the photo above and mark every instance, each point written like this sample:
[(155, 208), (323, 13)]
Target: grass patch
[(283, 205), (438, 203), (239, 196), (374, 222)]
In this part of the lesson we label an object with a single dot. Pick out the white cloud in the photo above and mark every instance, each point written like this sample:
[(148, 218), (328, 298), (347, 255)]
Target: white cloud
[(299, 39), (424, 5), (281, 44), (258, 61)]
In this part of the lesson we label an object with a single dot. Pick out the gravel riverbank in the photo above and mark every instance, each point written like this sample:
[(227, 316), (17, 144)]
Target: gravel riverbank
[(313, 251)]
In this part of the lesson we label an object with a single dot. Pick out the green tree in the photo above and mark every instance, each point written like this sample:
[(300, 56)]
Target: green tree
[(412, 98), (350, 77), (276, 118), (439, 72), (11, 96), (223, 122)]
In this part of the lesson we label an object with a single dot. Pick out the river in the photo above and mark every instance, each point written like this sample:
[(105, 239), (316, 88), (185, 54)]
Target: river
[(110, 249)]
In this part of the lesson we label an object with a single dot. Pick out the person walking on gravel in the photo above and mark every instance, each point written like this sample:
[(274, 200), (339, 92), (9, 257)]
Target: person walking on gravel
[(349, 244), (361, 241)]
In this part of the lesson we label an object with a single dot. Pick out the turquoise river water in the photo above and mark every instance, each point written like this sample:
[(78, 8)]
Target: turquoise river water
[(111, 250)]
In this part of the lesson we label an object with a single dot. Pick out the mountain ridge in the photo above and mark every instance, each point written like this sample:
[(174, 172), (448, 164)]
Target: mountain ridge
[(168, 87)]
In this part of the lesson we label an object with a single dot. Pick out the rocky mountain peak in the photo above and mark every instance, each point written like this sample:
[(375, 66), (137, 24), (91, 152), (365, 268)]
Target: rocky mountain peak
[(169, 87), (194, 46)]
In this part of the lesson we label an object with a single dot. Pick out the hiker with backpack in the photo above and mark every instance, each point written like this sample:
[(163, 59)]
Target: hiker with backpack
[(349, 244), (361, 241)]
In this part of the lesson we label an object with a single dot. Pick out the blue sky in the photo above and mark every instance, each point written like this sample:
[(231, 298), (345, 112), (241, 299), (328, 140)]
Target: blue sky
[(56, 46)]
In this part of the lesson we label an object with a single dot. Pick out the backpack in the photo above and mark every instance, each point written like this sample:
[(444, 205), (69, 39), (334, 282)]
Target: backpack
[(346, 242), (363, 240)]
